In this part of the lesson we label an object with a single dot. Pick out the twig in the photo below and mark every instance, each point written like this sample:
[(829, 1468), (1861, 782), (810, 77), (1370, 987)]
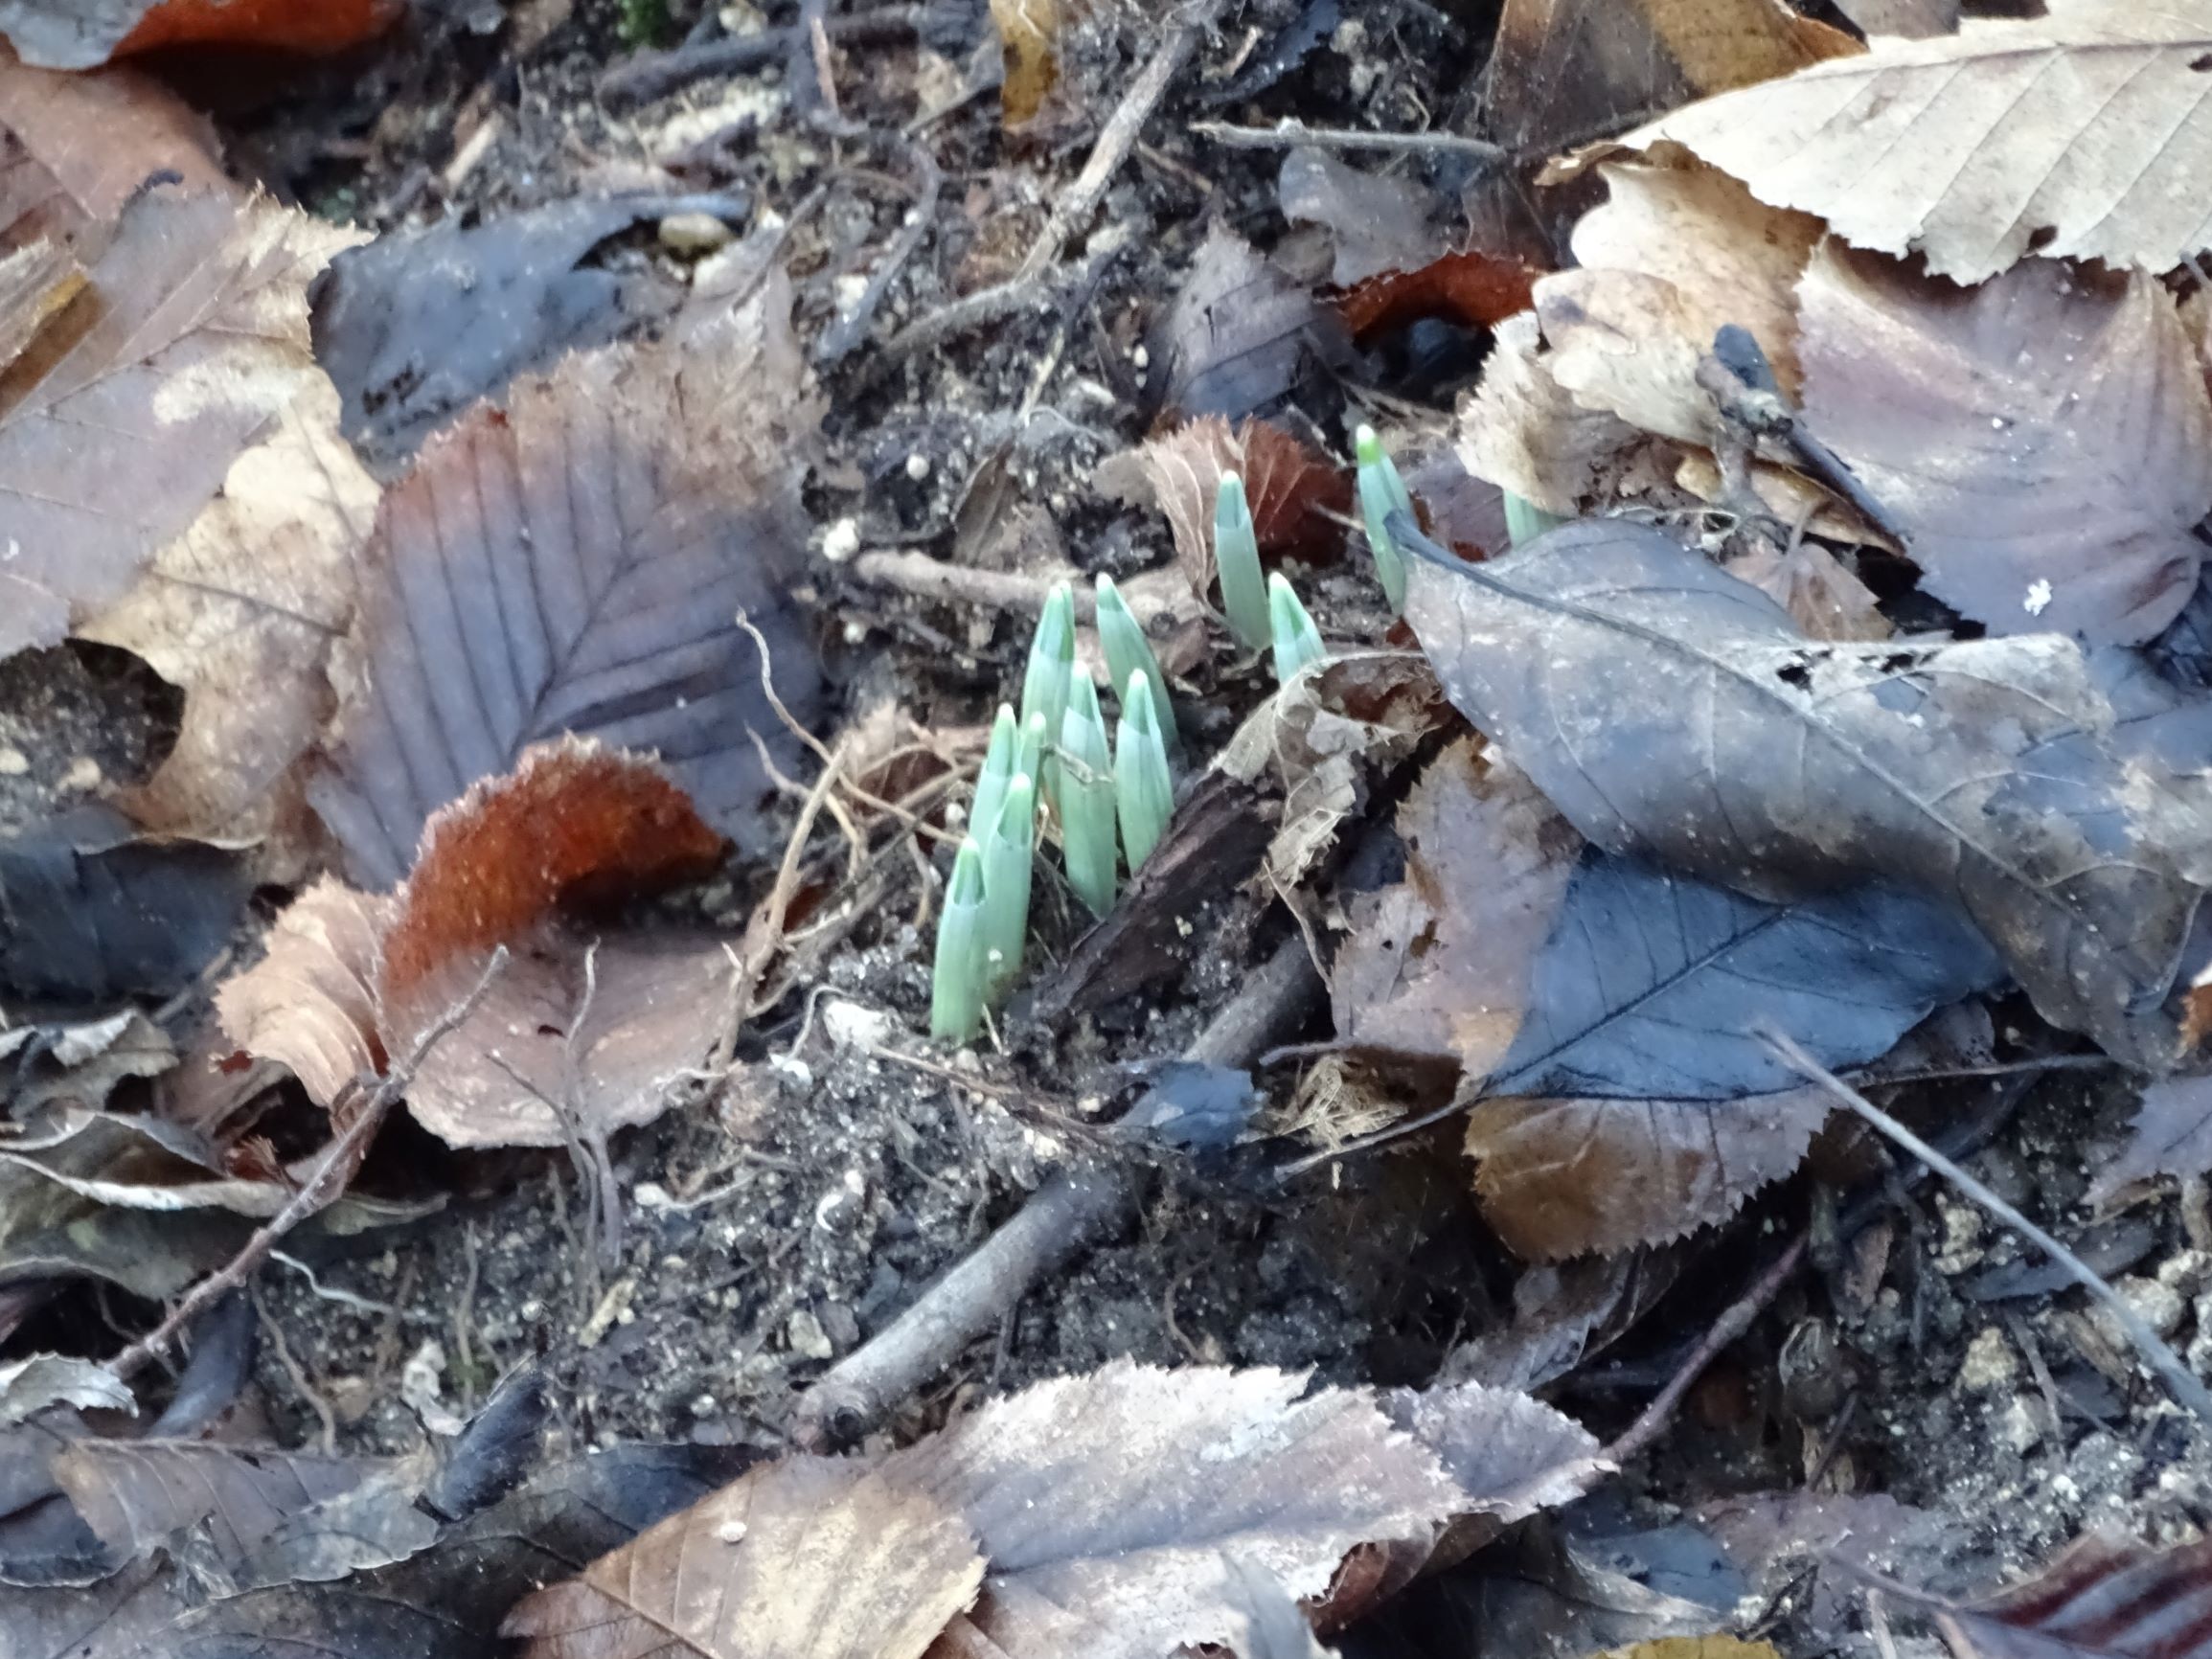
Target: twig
[(846, 332), (2180, 1380), (1732, 1324), (651, 75), (1118, 137), (1293, 134), (328, 1180), (1067, 1214)]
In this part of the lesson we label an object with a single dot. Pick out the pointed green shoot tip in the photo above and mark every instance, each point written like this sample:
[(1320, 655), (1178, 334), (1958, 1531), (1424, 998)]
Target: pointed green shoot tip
[(1144, 793), (956, 975), (1007, 850), (1128, 652), (1029, 753), (1087, 800), (1382, 492), (1051, 664), (1237, 562), (1296, 640), (997, 769), (1525, 520)]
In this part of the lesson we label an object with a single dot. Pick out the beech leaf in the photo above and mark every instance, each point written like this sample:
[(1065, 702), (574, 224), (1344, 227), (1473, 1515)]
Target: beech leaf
[(2070, 135), (2172, 1135), (1672, 712), (2106, 1597), (136, 1495), (576, 564), (2044, 440)]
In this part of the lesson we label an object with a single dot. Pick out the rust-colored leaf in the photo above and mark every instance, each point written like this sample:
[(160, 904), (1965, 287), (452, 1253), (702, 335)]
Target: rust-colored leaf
[(80, 33), (1470, 287), (576, 563), (2046, 440), (1295, 492)]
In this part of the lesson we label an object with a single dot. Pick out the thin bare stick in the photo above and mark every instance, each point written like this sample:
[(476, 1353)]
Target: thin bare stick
[(328, 1181), (2180, 1380), (1066, 1216), (846, 332), (1118, 137), (649, 74), (1295, 134)]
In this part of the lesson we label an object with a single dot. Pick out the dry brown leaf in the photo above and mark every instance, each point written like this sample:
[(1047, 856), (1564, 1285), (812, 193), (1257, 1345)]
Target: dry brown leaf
[(1473, 288), (242, 611), (1376, 222), (1912, 19), (1029, 37), (586, 1028), (1438, 964), (1564, 71), (1672, 256), (1523, 431), (1790, 497), (136, 1495), (308, 1003), (2072, 135), (1292, 487), (1718, 1647), (576, 563), (81, 34), (807, 1559), (1241, 333), (2172, 1135), (1811, 583), (2104, 1597), (189, 340), (75, 147), (1563, 1316), (2046, 440), (1562, 1178)]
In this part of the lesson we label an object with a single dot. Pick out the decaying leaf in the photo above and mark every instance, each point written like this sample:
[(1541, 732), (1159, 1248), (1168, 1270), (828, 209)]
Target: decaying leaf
[(1524, 432), (2044, 440), (1673, 255), (809, 1559), (1438, 964), (1913, 19), (1470, 287), (189, 339), (1718, 1647), (1292, 487), (2070, 135), (28, 1386), (1029, 37), (1241, 333), (1823, 599), (1563, 1315), (309, 1003), (242, 611), (1376, 222), (75, 147), (80, 33), (2172, 1135), (137, 1494), (2105, 1596), (1671, 711), (576, 564), (1569, 70)]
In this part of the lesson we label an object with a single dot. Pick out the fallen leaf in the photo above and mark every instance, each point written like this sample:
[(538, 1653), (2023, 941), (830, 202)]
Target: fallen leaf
[(1673, 711), (1510, 1455), (2044, 440), (1376, 222), (309, 1003), (2105, 1594), (89, 912), (1562, 1316), (1294, 491), (2171, 1135), (28, 1386), (1823, 599), (576, 564), (1672, 256), (1470, 287), (136, 1495), (189, 340), (416, 326), (242, 611), (1029, 37), (1438, 964), (1564, 71), (81, 34), (1241, 334), (808, 1559), (1913, 19), (1524, 432), (1773, 1538), (74, 149), (2067, 135), (80, 1064)]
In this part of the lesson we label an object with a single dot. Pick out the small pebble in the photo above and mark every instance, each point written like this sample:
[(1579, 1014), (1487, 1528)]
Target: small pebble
[(1990, 1362), (807, 1338), (82, 778), (13, 762), (917, 466), (2160, 1307), (841, 540), (2188, 1271), (2020, 1424), (695, 234)]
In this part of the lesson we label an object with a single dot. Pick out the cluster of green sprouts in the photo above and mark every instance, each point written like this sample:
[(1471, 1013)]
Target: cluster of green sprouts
[(1111, 801)]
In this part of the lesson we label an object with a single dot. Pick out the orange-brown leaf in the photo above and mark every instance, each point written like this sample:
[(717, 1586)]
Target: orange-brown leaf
[(1471, 288)]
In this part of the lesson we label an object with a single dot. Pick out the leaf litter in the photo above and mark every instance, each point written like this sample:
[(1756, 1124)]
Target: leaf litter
[(512, 681)]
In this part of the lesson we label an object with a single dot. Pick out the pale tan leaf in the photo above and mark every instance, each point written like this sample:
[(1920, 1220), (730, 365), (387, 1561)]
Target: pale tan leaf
[(2046, 440), (242, 611), (1524, 432), (29, 1386), (1511, 1455), (2084, 134), (1811, 583), (807, 1559), (190, 340), (135, 1494), (307, 1002), (1109, 1505)]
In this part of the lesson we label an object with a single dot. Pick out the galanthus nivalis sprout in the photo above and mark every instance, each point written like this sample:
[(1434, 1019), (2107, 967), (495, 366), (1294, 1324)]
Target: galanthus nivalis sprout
[(1086, 799), (956, 977), (997, 772), (1143, 794), (1031, 750), (1128, 652), (1525, 520), (1237, 560), (1007, 847), (1382, 492), (1296, 640), (1045, 682)]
